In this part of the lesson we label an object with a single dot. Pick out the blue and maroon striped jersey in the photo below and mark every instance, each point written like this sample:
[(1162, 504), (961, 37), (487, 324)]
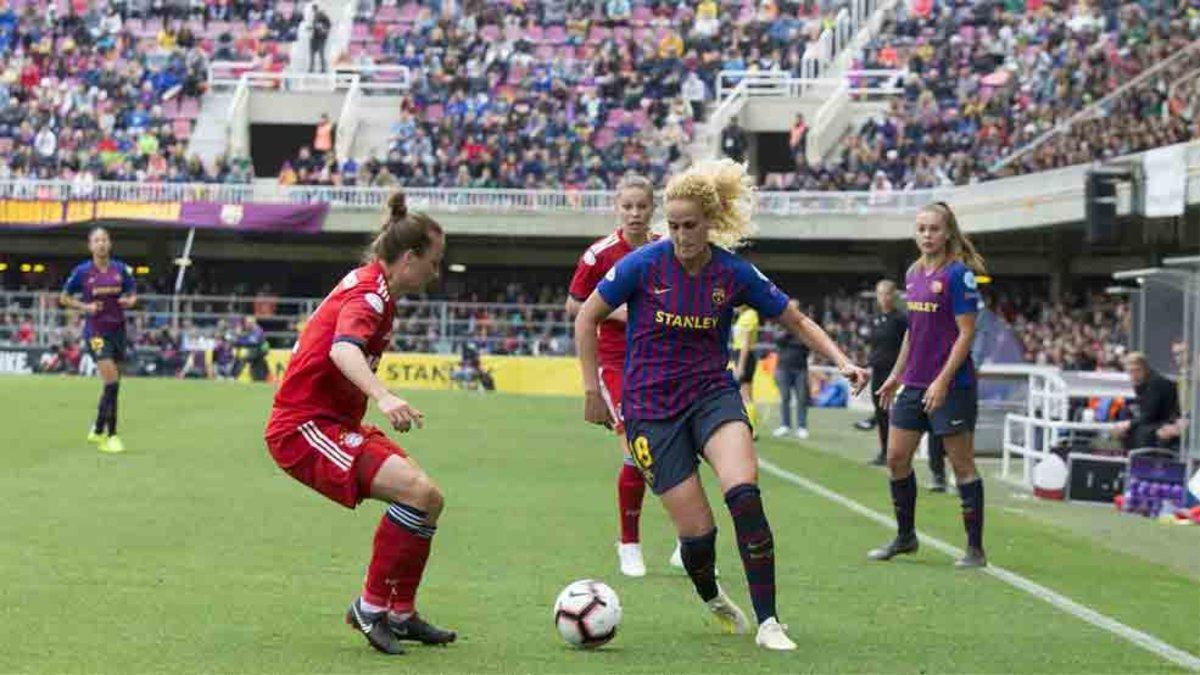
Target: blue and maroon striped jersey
[(934, 299), (677, 336), (105, 286)]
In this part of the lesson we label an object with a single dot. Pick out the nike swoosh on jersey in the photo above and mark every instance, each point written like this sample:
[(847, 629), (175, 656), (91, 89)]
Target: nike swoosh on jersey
[(660, 291)]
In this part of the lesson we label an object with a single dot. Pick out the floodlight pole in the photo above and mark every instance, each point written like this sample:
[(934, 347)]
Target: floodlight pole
[(182, 262)]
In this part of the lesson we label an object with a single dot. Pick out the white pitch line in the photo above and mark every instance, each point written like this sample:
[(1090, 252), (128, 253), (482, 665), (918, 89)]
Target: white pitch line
[(1141, 639)]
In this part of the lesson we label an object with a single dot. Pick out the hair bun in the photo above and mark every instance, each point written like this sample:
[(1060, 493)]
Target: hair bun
[(397, 205)]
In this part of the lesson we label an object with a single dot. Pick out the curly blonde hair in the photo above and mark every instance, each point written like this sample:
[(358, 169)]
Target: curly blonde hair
[(724, 191)]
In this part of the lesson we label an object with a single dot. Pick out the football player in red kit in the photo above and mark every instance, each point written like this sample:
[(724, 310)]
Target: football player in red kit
[(315, 432), (635, 207)]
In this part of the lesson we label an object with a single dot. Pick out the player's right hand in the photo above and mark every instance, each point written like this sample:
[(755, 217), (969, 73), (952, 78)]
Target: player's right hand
[(595, 409), (887, 392), (91, 308), (400, 414), (859, 377)]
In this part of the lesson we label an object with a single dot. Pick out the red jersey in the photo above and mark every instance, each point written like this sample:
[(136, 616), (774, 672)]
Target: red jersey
[(593, 265), (360, 311)]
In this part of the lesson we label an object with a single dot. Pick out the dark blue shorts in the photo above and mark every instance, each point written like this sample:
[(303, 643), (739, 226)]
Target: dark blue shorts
[(107, 346), (956, 415), (668, 451)]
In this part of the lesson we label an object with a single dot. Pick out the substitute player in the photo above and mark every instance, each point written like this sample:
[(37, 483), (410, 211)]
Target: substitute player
[(315, 432), (932, 385), (635, 208), (745, 360), (102, 289), (680, 401)]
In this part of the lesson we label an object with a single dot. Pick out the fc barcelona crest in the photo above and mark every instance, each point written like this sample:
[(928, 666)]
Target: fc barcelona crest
[(718, 296), (936, 286)]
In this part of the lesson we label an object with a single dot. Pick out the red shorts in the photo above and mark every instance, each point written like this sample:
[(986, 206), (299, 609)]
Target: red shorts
[(610, 389), (338, 462)]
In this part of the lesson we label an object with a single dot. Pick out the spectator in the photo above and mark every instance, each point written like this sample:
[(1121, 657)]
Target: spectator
[(46, 145), (619, 11), (695, 92), (1155, 410), (319, 34), (707, 24), (25, 332), (733, 142), (323, 138), (265, 303), (798, 135), (791, 376), (251, 349)]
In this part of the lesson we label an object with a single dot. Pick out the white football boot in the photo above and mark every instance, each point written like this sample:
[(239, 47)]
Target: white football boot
[(729, 615), (630, 556), (773, 635)]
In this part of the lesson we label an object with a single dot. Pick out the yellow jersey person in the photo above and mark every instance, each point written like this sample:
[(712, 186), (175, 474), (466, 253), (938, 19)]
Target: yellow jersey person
[(745, 361)]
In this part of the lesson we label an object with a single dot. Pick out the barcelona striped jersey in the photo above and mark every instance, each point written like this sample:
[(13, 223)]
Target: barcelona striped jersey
[(934, 298), (677, 336), (105, 286)]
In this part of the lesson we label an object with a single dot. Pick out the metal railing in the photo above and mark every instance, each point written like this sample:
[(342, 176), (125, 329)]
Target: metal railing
[(499, 201), (237, 130), (348, 120), (859, 83), (420, 325), (1025, 189), (828, 125), (385, 79)]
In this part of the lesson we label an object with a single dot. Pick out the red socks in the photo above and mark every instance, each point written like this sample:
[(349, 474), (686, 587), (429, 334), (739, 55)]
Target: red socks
[(630, 491), (398, 558)]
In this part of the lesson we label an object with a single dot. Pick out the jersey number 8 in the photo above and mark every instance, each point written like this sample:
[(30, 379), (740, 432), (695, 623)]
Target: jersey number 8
[(641, 453)]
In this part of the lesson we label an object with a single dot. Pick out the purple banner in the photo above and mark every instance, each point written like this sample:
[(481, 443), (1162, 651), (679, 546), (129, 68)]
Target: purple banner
[(253, 217)]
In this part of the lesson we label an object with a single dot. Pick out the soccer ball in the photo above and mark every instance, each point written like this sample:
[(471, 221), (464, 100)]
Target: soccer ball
[(587, 613)]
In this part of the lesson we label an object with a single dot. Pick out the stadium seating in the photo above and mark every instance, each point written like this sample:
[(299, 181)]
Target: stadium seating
[(564, 94), (984, 79), (92, 94)]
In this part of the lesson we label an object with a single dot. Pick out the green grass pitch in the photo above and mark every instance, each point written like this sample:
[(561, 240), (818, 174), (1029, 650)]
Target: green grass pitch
[(192, 552)]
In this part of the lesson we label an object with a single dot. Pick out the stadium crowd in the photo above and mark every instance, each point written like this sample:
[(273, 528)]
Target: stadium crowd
[(982, 79), (503, 317), (98, 91), (571, 95), (556, 94)]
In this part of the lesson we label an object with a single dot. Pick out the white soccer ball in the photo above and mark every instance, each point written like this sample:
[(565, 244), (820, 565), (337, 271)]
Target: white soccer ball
[(587, 613)]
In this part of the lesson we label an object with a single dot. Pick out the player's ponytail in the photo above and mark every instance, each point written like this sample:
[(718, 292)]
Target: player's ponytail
[(402, 231), (958, 245), (725, 194)]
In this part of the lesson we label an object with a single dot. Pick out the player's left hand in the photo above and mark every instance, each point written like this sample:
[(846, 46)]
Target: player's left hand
[(127, 301), (859, 377), (935, 395), (400, 414)]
